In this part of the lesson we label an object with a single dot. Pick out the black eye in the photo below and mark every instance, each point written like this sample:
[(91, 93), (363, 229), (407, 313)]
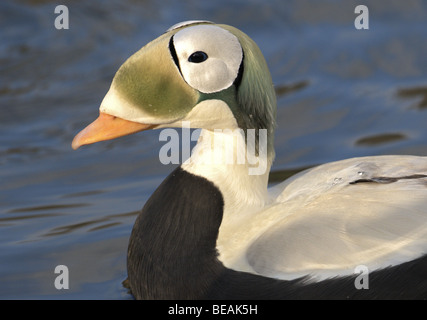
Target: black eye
[(197, 57)]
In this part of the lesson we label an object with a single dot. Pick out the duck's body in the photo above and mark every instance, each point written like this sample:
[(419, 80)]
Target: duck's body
[(355, 228), (355, 238)]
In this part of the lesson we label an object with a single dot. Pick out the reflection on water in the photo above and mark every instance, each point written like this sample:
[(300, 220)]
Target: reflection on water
[(95, 224), (417, 93), (341, 93), (47, 207), (380, 139), (282, 90)]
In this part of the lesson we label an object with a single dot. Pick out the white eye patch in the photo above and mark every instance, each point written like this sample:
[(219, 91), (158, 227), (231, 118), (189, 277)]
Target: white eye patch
[(185, 23), (209, 57)]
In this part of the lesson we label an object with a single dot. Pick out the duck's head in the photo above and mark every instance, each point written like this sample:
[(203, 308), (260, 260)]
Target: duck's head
[(213, 76)]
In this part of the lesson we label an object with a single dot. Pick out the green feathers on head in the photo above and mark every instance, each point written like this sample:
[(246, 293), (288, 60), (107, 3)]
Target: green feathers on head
[(256, 96)]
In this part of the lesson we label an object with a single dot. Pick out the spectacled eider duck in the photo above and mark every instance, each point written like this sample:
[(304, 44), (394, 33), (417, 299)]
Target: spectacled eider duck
[(212, 229)]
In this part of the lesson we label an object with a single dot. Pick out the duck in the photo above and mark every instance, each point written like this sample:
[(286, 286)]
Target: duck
[(215, 228)]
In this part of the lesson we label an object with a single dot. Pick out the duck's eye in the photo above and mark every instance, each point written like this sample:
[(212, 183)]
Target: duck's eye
[(197, 57)]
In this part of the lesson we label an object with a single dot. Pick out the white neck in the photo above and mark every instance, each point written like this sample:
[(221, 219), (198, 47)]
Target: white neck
[(221, 156), (244, 194)]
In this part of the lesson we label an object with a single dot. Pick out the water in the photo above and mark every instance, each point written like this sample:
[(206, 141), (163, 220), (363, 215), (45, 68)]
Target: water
[(342, 93)]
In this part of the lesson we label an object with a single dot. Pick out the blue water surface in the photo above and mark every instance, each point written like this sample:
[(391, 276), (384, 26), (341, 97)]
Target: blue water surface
[(342, 93)]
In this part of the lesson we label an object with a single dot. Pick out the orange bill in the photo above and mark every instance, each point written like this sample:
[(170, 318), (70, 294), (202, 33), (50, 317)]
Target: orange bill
[(107, 127)]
